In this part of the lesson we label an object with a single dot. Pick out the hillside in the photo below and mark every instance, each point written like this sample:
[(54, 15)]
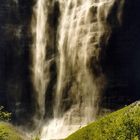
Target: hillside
[(8, 132), (120, 125)]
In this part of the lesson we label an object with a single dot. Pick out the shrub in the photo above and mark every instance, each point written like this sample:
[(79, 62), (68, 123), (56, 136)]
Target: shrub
[(4, 115)]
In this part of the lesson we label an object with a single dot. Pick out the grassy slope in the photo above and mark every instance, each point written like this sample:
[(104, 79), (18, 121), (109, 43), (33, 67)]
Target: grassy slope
[(7, 132), (121, 125)]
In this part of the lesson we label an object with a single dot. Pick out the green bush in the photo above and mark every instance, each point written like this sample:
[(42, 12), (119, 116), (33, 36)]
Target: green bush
[(7, 131), (4, 116), (36, 138)]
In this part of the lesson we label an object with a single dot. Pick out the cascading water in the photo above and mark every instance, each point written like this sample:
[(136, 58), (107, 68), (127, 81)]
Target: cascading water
[(81, 27)]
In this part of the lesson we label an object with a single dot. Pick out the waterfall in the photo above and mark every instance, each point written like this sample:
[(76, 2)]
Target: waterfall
[(80, 81)]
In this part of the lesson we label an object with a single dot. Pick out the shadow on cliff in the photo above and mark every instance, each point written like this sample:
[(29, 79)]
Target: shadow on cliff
[(121, 63)]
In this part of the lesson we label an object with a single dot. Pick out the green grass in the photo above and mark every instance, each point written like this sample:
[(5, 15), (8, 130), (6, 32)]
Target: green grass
[(120, 125), (8, 132)]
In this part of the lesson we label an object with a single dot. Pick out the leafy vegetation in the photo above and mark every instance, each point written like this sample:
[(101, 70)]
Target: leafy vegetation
[(4, 116), (36, 138), (7, 131), (121, 125)]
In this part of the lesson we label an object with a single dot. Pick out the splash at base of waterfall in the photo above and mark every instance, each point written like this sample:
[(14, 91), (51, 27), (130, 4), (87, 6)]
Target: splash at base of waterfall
[(60, 128), (57, 129)]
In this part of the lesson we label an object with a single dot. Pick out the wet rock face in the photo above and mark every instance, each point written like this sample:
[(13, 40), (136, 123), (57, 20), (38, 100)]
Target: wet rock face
[(121, 63)]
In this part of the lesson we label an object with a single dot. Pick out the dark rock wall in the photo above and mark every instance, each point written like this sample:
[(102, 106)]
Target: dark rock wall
[(15, 40), (122, 59)]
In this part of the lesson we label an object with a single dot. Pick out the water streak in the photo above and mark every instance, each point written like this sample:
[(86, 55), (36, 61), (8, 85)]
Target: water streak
[(41, 75)]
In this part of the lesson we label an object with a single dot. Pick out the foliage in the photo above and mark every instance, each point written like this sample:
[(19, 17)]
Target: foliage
[(121, 125), (4, 116), (36, 138), (7, 131)]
